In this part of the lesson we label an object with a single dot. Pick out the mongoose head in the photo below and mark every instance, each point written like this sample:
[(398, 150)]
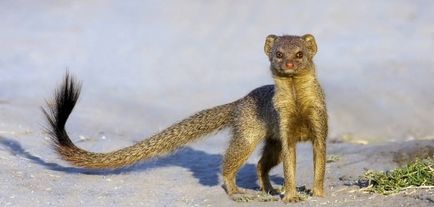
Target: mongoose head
[(290, 55)]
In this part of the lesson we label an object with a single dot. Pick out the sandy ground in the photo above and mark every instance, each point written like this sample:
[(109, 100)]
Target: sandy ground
[(191, 177), (146, 64)]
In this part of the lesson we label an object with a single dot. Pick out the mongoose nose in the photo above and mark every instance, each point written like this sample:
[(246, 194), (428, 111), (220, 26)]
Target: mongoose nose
[(289, 65)]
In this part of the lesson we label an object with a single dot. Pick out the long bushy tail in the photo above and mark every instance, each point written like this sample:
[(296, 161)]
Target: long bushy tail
[(165, 142)]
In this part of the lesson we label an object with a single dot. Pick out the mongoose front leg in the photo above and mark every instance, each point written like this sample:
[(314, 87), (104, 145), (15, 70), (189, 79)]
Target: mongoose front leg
[(319, 129), (270, 158), (289, 163), (319, 156), (288, 156)]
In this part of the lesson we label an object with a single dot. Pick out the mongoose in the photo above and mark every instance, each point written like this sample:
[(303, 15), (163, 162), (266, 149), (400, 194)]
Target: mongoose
[(291, 111)]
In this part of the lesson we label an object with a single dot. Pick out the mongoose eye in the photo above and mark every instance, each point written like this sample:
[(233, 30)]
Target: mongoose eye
[(279, 54), (299, 55)]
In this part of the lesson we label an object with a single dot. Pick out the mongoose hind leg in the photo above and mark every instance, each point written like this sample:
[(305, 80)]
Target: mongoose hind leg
[(270, 158), (240, 148)]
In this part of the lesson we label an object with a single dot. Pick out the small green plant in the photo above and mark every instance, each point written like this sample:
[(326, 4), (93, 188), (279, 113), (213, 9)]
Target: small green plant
[(417, 174), (333, 158), (260, 197)]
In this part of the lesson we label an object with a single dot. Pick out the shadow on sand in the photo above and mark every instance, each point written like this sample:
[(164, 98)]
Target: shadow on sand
[(204, 166)]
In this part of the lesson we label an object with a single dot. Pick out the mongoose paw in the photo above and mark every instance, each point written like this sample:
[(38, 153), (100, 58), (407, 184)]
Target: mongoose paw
[(291, 198), (233, 189)]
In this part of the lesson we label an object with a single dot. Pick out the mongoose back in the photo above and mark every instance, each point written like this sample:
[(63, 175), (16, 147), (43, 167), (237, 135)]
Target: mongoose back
[(290, 111)]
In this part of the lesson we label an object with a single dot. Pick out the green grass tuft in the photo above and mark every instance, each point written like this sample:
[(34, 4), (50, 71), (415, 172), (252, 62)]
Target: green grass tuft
[(417, 174)]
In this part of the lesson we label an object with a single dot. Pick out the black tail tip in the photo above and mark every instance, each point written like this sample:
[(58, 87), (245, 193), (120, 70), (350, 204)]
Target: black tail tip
[(57, 112)]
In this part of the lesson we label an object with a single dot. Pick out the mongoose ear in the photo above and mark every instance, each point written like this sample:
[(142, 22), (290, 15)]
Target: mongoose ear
[(269, 42), (311, 43)]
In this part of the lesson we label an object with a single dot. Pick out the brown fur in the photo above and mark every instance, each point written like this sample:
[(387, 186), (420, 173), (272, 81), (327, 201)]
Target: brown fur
[(283, 114)]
